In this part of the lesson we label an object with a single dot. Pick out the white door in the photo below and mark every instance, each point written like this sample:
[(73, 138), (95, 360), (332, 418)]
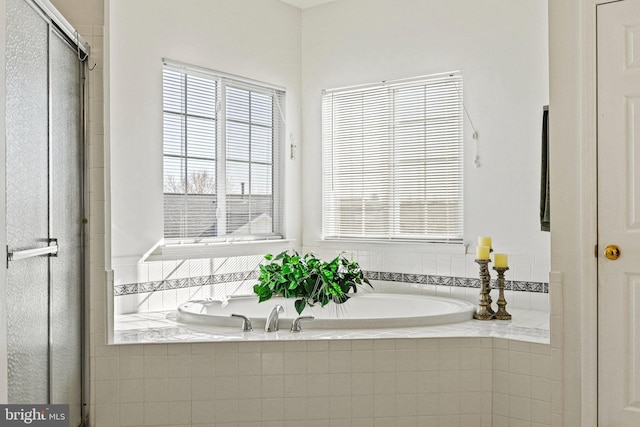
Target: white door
[(619, 213)]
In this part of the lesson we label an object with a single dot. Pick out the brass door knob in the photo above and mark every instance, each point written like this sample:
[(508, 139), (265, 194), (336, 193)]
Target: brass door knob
[(612, 252)]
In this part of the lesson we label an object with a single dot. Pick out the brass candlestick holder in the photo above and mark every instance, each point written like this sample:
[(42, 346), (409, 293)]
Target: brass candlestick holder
[(502, 313), (485, 312)]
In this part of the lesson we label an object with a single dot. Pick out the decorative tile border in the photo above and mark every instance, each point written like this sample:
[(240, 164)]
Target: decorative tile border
[(425, 279)]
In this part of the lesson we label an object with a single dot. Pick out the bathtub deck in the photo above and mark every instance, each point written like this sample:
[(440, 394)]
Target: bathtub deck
[(161, 327)]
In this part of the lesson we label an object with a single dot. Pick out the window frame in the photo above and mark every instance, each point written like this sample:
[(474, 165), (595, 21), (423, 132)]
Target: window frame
[(278, 95), (394, 236)]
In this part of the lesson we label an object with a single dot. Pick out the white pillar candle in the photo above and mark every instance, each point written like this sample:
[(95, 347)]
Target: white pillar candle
[(484, 241), (501, 260), (482, 252)]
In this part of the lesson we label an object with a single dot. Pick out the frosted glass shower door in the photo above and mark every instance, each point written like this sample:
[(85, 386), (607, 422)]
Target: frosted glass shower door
[(27, 193), (44, 189)]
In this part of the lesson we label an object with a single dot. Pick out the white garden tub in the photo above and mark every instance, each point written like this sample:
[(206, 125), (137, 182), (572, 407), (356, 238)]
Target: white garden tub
[(361, 311)]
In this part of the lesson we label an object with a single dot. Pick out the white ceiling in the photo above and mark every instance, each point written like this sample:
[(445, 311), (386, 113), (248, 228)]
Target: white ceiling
[(305, 4)]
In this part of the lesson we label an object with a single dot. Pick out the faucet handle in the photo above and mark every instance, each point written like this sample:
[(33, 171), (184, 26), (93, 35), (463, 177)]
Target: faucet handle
[(295, 327), (246, 322)]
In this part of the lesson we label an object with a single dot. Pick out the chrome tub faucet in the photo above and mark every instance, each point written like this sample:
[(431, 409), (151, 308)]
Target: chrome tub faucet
[(272, 320)]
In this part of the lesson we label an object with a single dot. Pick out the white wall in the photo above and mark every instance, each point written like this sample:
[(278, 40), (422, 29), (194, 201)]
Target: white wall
[(90, 14), (254, 39), (501, 48)]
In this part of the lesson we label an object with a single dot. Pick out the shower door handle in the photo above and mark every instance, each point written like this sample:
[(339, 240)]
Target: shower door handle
[(51, 250)]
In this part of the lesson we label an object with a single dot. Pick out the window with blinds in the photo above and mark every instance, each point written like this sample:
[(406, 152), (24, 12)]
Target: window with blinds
[(221, 138), (393, 160)]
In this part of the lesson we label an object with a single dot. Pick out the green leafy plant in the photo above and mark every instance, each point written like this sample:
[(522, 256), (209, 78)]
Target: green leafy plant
[(308, 279)]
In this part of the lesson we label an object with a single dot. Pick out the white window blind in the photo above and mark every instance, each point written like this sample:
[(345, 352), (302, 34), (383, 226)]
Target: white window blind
[(393, 160), (221, 138)]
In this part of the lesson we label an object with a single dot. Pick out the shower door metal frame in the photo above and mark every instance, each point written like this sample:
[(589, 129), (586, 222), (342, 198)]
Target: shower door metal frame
[(4, 379)]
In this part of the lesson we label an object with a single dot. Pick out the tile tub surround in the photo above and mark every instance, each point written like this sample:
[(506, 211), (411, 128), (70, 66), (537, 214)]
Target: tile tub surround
[(448, 376), (252, 276), (166, 294), (387, 382)]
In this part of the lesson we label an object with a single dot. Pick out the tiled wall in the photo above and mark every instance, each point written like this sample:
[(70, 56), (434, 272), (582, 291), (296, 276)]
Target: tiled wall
[(162, 285), (521, 384), (424, 382), (557, 347), (525, 268), (522, 268)]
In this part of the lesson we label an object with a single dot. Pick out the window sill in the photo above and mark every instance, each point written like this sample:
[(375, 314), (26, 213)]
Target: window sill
[(218, 250), (402, 246)]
